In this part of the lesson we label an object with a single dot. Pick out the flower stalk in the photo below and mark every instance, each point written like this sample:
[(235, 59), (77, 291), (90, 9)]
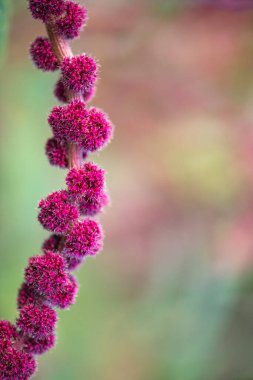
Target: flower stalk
[(69, 214)]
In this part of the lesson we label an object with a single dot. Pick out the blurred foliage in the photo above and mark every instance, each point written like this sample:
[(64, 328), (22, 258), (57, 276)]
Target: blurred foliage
[(169, 7), (4, 18)]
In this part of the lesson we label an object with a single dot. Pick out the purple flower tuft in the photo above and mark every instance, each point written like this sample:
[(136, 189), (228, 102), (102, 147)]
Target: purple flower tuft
[(92, 206), (52, 243), (98, 131), (44, 9), (79, 73), (16, 365), (56, 213), (27, 295), (73, 263), (88, 180), (66, 297), (69, 122), (37, 321), (8, 334), (46, 274), (89, 94), (85, 238), (57, 152), (60, 91), (57, 122), (71, 23), (42, 55), (38, 346)]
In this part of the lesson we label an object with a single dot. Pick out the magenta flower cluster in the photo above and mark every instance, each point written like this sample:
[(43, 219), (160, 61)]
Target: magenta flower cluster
[(69, 214)]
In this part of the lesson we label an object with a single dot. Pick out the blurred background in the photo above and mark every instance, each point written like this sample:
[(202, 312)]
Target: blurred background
[(171, 296)]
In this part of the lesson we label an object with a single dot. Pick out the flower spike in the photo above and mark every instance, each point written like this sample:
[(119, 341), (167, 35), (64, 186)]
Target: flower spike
[(78, 130)]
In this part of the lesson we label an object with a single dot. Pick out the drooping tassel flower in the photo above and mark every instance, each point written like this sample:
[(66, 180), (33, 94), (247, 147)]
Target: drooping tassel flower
[(77, 131)]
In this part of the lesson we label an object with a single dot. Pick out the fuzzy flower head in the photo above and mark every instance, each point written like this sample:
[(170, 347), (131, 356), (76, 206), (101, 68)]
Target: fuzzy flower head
[(79, 73), (37, 321), (27, 295), (16, 365), (56, 212), (98, 131), (8, 335), (52, 243), (72, 263), (85, 238), (61, 94), (91, 206), (71, 23), (60, 91), (46, 275), (42, 55), (38, 346), (69, 122), (57, 122), (66, 297), (57, 152), (88, 180), (44, 9)]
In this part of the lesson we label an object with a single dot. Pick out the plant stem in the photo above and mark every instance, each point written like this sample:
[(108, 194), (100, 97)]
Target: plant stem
[(62, 50)]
